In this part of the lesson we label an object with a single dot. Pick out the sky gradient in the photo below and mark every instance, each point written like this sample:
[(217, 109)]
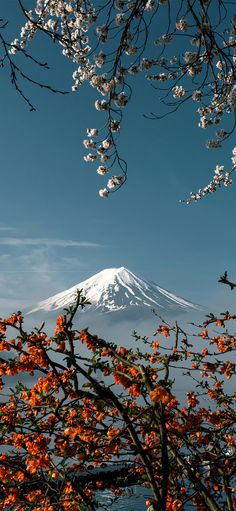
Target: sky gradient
[(56, 231)]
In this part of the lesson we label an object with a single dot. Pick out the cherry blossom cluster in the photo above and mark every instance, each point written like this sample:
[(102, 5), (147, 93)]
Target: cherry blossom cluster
[(221, 177), (194, 59)]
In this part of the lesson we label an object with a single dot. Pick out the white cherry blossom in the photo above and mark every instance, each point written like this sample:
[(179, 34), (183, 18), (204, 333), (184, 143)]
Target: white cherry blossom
[(115, 44)]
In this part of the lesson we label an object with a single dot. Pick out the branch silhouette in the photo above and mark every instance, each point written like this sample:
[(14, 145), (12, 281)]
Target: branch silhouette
[(224, 280)]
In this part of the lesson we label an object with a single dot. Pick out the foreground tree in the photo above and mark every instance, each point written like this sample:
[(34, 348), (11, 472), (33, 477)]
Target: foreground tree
[(185, 49), (116, 405)]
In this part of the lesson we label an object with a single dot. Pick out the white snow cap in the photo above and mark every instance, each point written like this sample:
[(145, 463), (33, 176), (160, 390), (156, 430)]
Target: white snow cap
[(115, 289)]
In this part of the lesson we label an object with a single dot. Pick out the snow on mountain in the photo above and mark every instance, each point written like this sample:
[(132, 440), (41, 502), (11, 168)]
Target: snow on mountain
[(116, 289)]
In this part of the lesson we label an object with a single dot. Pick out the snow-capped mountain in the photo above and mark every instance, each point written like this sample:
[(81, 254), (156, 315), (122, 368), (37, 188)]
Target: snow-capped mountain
[(117, 289)]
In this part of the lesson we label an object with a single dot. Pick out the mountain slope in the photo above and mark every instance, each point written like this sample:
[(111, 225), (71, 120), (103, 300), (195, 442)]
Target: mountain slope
[(117, 289)]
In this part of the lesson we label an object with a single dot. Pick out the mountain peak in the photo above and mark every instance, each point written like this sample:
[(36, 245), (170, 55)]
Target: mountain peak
[(114, 289), (109, 272)]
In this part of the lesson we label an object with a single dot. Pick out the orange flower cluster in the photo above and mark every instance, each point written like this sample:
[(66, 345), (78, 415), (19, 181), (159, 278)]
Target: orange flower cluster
[(161, 394), (13, 320), (204, 334), (223, 344), (173, 504), (192, 400), (228, 368), (37, 357), (91, 341), (134, 390), (75, 414), (229, 439), (4, 346), (60, 325), (165, 330)]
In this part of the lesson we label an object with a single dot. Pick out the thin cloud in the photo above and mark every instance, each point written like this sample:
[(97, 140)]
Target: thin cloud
[(4, 228), (49, 242), (35, 274)]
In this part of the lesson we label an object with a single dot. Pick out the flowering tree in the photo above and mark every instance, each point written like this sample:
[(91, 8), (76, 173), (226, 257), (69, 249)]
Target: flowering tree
[(184, 49), (115, 405)]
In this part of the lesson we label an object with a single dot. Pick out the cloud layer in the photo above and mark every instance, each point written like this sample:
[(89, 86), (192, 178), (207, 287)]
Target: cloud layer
[(49, 242), (32, 268)]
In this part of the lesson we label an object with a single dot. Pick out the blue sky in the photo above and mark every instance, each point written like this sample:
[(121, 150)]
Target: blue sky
[(56, 231)]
